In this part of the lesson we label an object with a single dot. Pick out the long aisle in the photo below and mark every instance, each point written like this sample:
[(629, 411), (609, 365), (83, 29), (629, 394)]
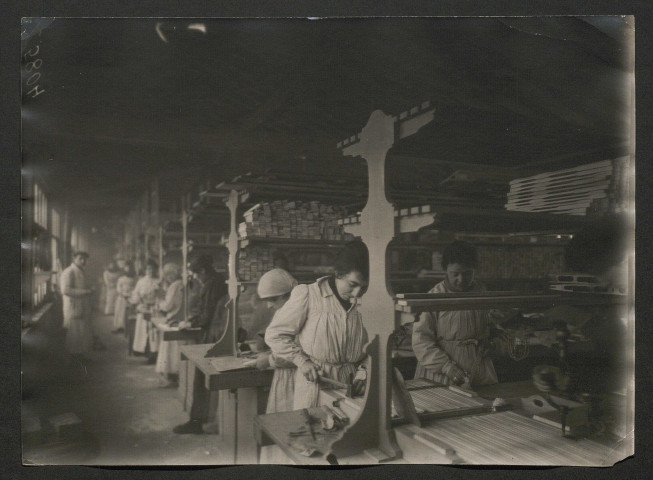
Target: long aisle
[(127, 419)]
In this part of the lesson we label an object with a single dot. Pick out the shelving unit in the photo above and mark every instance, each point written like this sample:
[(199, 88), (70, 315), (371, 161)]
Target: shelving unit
[(371, 430)]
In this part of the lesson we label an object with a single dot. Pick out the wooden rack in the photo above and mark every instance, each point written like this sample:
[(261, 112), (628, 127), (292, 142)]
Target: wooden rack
[(379, 222)]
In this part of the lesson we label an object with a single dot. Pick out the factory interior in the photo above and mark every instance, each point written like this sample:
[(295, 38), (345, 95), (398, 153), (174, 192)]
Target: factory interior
[(335, 241)]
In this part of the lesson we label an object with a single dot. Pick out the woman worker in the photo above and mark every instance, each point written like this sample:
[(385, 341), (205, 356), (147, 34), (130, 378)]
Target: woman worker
[(110, 277), (320, 330), (144, 297), (274, 288), (124, 289), (452, 346), (171, 307)]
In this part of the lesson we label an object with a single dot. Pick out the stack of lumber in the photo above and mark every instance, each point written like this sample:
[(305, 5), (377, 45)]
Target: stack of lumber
[(620, 196), (571, 191), (254, 261), (284, 219), (519, 261)]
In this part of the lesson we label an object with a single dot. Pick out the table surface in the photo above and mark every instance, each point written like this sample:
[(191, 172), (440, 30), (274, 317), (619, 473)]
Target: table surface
[(217, 380), (277, 426)]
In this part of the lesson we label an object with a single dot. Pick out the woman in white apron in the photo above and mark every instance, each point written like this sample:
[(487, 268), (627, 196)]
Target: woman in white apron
[(144, 297), (124, 289), (172, 309), (274, 289), (320, 329), (110, 277)]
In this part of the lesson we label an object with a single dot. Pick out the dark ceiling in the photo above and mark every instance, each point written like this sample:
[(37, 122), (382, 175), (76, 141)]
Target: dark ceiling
[(127, 99)]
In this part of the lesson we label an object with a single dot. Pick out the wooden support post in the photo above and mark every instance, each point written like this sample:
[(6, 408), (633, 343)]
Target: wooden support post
[(184, 258), (228, 343), (372, 430)]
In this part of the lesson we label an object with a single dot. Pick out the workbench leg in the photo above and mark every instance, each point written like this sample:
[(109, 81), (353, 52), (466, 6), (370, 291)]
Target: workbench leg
[(185, 389), (228, 411), (251, 402)]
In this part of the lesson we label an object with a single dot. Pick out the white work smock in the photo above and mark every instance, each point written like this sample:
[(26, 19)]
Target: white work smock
[(314, 325), (76, 310)]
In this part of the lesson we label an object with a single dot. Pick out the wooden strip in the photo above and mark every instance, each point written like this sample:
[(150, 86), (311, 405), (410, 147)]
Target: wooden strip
[(577, 206), (563, 183), (604, 164), (558, 197), (558, 200), (571, 203), (435, 444), (566, 448), (581, 186), (474, 429), (427, 296), (533, 428), (467, 445)]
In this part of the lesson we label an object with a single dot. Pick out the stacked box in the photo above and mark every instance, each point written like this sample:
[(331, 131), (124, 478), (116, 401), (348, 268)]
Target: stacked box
[(300, 220)]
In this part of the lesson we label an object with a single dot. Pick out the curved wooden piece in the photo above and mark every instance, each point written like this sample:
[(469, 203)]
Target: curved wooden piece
[(372, 431), (361, 433)]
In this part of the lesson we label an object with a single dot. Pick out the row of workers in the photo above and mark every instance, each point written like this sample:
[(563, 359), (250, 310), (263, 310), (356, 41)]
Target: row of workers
[(317, 331)]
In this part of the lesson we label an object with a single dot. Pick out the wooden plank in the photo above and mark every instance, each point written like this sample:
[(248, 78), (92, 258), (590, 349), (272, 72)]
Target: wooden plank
[(554, 194), (602, 165), (577, 208), (566, 183), (508, 438), (525, 183), (531, 301), (602, 185), (426, 296), (192, 334), (547, 194)]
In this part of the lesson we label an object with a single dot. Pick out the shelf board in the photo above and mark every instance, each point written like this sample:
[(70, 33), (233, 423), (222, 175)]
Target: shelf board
[(307, 242), (454, 302)]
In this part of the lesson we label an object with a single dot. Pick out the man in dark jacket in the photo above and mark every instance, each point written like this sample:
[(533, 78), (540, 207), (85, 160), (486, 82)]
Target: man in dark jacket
[(210, 318)]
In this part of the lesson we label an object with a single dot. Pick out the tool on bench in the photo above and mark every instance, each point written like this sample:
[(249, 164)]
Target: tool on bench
[(337, 384), (307, 420)]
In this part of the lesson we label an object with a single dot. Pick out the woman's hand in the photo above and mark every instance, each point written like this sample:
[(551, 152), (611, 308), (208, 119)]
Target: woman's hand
[(263, 361), (455, 373), (310, 371), (360, 380)]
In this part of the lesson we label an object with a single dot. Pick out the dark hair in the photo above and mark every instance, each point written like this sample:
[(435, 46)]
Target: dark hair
[(353, 257), (153, 264), (599, 246), (203, 262), (460, 252)]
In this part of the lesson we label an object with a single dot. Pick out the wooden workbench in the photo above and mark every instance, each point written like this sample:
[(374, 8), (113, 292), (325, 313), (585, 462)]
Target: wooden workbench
[(242, 394), (508, 437), (275, 428)]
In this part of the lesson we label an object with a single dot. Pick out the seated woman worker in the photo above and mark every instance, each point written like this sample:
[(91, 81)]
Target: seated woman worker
[(320, 329), (452, 347)]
